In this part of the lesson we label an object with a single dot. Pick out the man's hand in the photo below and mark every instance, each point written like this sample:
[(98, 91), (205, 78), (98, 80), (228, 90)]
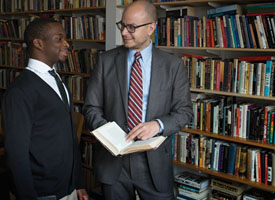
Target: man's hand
[(82, 194), (143, 131)]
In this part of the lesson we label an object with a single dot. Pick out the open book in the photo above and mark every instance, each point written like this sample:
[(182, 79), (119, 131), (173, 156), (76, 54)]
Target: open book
[(113, 138)]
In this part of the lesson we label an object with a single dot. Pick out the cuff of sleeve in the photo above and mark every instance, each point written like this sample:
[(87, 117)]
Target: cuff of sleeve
[(161, 127)]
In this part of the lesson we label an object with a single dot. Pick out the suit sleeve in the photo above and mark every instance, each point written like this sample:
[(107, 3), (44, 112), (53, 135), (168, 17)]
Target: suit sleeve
[(17, 110), (181, 107), (94, 102)]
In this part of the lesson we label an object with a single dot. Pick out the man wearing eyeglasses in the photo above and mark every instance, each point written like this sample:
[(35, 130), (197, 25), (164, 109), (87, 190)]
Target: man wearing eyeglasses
[(146, 92)]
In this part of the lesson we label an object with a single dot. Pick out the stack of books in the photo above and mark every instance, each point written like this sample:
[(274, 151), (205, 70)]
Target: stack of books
[(221, 189), (192, 186), (257, 194)]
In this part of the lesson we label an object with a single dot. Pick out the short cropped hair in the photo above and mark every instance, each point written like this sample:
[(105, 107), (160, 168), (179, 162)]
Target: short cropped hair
[(37, 29)]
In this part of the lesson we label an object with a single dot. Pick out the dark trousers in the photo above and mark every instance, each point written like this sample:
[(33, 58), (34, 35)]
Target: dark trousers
[(135, 176)]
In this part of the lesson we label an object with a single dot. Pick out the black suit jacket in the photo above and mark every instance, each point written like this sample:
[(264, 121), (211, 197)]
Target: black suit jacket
[(41, 143), (169, 101)]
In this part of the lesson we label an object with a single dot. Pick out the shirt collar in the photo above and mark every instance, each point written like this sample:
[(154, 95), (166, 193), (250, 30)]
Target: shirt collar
[(145, 53), (39, 66)]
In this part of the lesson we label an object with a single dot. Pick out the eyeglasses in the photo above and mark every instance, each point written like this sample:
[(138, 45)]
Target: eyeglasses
[(130, 27)]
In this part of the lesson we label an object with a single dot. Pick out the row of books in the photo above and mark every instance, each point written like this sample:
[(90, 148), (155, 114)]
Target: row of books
[(34, 5), (244, 75), (77, 86), (13, 54), (7, 76), (228, 31), (126, 2), (79, 60), (242, 120), (84, 27), (76, 27), (86, 152), (82, 60), (255, 164)]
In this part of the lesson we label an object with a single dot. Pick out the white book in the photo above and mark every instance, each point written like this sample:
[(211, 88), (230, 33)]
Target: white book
[(239, 30), (113, 138), (250, 81), (258, 79)]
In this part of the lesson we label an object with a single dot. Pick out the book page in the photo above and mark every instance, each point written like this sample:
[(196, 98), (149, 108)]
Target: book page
[(144, 145), (113, 134)]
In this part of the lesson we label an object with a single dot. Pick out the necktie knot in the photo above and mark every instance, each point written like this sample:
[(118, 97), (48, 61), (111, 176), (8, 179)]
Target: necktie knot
[(52, 72), (137, 55)]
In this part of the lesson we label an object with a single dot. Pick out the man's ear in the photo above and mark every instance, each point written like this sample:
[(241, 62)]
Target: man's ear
[(152, 28), (38, 43)]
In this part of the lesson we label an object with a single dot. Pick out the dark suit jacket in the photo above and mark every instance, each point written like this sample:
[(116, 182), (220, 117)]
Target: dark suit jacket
[(41, 142), (169, 101)]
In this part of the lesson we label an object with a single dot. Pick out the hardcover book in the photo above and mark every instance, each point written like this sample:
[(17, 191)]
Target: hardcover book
[(113, 138)]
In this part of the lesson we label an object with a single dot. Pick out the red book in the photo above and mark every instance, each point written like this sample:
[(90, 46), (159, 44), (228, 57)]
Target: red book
[(256, 58), (255, 14), (223, 34), (192, 56), (212, 34), (208, 35)]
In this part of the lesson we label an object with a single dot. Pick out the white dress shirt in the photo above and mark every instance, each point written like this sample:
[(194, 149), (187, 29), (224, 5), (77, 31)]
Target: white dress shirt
[(42, 70)]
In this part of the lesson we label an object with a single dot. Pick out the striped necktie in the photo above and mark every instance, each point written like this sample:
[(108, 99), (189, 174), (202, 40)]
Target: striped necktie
[(135, 94)]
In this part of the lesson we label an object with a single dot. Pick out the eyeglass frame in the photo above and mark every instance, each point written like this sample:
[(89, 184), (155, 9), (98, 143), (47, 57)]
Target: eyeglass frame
[(120, 23)]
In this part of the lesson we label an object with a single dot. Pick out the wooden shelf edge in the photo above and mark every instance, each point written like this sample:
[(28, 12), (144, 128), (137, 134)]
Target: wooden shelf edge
[(216, 49), (231, 94), (199, 2), (226, 176), (69, 40), (231, 139), (54, 10)]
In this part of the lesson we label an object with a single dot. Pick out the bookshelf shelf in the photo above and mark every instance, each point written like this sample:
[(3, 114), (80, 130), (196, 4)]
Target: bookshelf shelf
[(231, 139), (200, 3), (11, 67), (226, 176), (53, 11), (232, 94), (69, 40), (74, 73), (78, 102), (217, 49)]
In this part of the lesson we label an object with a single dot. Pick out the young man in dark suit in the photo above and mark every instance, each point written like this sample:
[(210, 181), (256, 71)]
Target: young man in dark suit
[(41, 142), (146, 95)]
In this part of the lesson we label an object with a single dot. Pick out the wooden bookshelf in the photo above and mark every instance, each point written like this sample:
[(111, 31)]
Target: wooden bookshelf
[(232, 94), (54, 10), (226, 176), (254, 50), (231, 139)]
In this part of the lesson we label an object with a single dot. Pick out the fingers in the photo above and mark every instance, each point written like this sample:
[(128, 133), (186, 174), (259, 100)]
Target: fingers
[(143, 131)]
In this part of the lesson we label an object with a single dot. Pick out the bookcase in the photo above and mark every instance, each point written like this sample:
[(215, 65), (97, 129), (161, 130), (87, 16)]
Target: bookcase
[(215, 51)]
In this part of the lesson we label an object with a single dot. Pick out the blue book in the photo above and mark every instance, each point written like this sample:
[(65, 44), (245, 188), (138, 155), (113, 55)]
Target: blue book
[(231, 158), (233, 19), (156, 36), (233, 30), (267, 77), (227, 32), (249, 32)]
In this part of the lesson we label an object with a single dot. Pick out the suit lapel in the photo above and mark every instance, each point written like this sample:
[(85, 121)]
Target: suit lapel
[(121, 70)]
